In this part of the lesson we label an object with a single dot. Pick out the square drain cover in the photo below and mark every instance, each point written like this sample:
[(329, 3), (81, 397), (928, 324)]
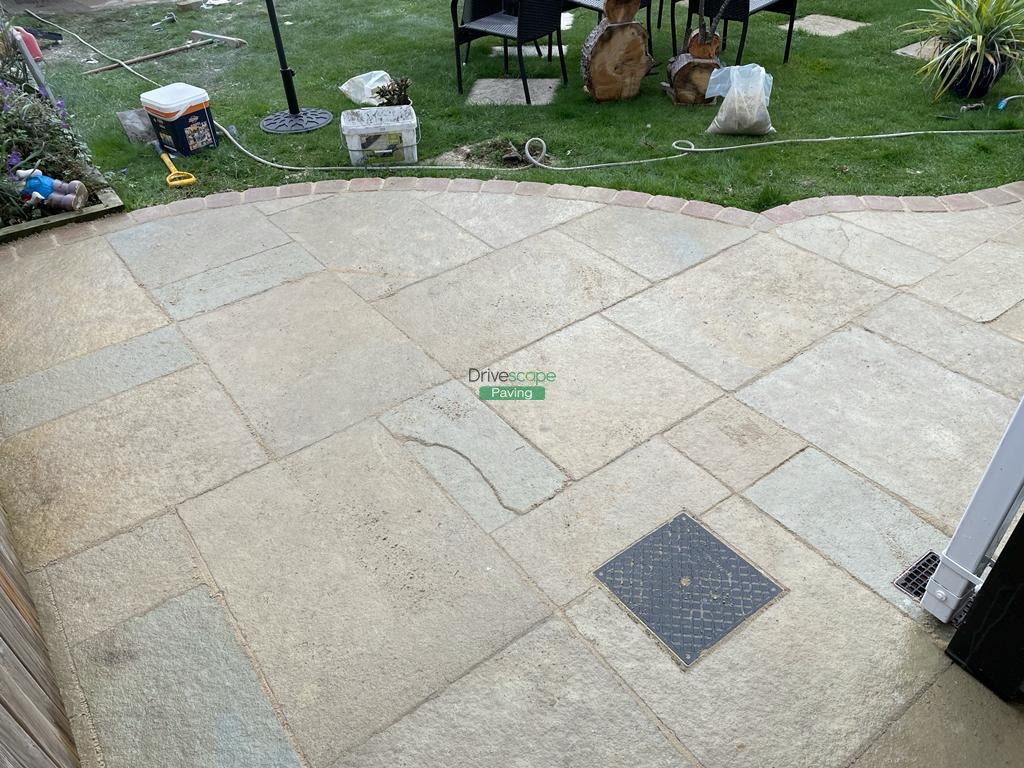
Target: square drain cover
[(686, 586), (914, 580)]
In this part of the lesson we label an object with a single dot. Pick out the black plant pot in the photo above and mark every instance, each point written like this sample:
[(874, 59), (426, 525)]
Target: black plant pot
[(990, 73)]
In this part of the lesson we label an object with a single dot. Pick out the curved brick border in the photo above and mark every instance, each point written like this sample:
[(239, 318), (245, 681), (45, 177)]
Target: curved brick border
[(783, 214)]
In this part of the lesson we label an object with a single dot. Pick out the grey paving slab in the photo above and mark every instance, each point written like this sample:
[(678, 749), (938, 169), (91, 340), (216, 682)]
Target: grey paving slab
[(861, 249), (856, 525), (1011, 322), (49, 311), (530, 52), (123, 577), (505, 91), (270, 207), (309, 358), (173, 687), (611, 392), (476, 313), (947, 235), (748, 309), (914, 427), (500, 219), (464, 484), (654, 243), (924, 49), (1014, 235), (85, 380), (982, 284), (801, 684), (562, 541), (543, 701), (170, 249), (360, 587), (733, 442), (237, 280), (450, 416), (957, 343), (75, 481), (380, 241), (825, 26)]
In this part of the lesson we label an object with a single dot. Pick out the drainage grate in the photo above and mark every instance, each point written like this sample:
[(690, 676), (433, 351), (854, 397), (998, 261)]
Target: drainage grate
[(914, 580), (686, 586)]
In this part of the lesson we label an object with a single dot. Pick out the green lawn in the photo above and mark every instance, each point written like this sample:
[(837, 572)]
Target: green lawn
[(831, 86)]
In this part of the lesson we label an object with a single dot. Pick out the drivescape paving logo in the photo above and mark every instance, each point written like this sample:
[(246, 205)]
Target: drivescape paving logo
[(511, 385)]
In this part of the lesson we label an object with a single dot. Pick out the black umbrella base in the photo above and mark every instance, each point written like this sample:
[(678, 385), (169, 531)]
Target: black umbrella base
[(308, 119)]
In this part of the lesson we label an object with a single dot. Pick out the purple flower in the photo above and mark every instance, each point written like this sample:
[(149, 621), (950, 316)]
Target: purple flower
[(13, 160)]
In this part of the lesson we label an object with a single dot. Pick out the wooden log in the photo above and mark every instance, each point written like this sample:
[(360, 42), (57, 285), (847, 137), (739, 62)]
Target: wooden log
[(149, 56), (704, 50), (614, 60), (688, 79), (621, 11)]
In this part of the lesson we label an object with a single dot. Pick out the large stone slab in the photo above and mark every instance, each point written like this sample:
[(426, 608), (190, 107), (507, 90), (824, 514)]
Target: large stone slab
[(73, 482), (473, 315), (733, 442), (748, 309), (981, 285), (611, 392), (861, 249), (85, 380), (654, 243), (923, 49), (464, 484), (450, 417), (562, 541), (123, 577), (801, 684), (543, 701), (825, 26), (920, 430), (236, 280), (856, 525), (500, 219), (360, 587), (309, 358), (506, 91), (957, 343), (1011, 322), (379, 241), (58, 304), (170, 249), (173, 687), (946, 235)]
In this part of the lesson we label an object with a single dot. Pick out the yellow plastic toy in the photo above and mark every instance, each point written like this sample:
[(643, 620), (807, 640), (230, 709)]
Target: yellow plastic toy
[(175, 178)]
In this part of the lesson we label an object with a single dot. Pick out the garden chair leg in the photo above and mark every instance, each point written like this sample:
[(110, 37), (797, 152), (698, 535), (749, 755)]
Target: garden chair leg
[(661, 7), (725, 33), (743, 42), (504, 48), (522, 72), (549, 47), (458, 63), (468, 46), (536, 45), (650, 35), (789, 37), (561, 58)]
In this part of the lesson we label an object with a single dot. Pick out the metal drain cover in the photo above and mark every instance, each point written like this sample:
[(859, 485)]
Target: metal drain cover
[(914, 580), (686, 586)]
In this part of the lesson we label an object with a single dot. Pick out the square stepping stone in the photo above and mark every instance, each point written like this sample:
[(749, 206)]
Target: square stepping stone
[(825, 26), (508, 90), (924, 50), (530, 52)]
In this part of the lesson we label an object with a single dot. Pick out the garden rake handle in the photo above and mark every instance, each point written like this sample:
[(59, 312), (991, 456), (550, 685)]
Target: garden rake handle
[(175, 178)]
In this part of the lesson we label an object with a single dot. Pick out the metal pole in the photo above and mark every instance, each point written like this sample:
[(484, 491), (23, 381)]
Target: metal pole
[(287, 74)]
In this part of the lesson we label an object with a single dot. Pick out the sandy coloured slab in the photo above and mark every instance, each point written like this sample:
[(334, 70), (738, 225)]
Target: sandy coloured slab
[(825, 26), (509, 91)]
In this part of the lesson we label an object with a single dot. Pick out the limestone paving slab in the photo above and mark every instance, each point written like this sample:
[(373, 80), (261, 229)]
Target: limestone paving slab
[(270, 207), (309, 358), (1011, 322), (85, 380), (910, 425), (450, 416), (856, 525), (947, 235), (800, 684), (923, 49), (373, 247), (474, 314), (80, 479), (611, 393), (237, 280), (359, 586), (546, 700), (173, 687), (957, 343), (734, 443), (49, 311), (825, 26), (981, 285), (505, 91), (653, 243), (748, 309)]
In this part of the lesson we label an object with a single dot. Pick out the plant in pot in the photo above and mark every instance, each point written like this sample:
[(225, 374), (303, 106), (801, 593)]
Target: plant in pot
[(387, 133), (689, 72), (978, 42)]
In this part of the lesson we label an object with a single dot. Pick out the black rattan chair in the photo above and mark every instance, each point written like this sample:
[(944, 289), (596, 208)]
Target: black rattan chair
[(598, 6), (737, 10), (526, 21)]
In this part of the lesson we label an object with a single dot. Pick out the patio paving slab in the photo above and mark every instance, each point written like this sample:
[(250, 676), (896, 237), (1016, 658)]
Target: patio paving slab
[(506, 91), (800, 684), (825, 26), (562, 541), (49, 309), (1011, 323), (360, 588), (309, 358), (80, 479), (375, 249), (748, 309), (982, 285), (180, 663), (479, 312), (544, 701), (946, 235), (612, 392), (866, 401)]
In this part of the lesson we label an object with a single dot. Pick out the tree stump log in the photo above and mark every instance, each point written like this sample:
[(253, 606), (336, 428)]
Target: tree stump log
[(689, 73), (621, 11), (614, 59)]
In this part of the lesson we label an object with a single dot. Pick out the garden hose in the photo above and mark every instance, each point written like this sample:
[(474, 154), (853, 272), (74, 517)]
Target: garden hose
[(682, 147)]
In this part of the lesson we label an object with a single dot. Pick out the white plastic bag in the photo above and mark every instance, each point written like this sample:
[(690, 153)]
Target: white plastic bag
[(747, 91), (361, 87)]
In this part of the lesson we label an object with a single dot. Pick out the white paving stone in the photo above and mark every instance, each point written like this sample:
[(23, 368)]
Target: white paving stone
[(825, 26), (509, 91), (982, 284)]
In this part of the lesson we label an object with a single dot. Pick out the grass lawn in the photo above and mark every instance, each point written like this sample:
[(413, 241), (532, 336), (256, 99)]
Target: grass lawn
[(852, 84)]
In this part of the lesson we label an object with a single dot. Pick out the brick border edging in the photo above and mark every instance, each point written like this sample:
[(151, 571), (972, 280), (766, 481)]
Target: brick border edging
[(994, 197)]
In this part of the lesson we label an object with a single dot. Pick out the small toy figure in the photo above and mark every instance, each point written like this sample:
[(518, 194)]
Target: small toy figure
[(53, 193)]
